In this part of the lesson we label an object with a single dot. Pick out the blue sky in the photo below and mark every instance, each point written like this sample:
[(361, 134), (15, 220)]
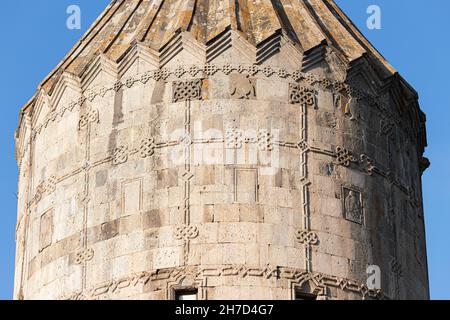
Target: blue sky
[(414, 38)]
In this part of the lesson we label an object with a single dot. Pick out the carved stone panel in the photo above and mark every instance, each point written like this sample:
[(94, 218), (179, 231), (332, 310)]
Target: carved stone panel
[(46, 230), (352, 204), (187, 90), (246, 185), (131, 197), (242, 87), (302, 95)]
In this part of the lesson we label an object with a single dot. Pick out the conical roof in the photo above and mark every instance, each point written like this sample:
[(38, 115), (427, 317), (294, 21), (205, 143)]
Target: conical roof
[(308, 23), (155, 25)]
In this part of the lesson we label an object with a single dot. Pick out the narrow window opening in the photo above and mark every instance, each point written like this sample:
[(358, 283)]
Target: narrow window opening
[(299, 295), (188, 294)]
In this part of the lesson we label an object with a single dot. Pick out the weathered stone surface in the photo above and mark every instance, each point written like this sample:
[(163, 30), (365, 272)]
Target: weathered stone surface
[(238, 160)]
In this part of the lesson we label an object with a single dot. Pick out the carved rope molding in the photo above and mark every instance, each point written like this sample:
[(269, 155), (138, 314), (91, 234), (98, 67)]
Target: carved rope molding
[(171, 275), (305, 98), (187, 232)]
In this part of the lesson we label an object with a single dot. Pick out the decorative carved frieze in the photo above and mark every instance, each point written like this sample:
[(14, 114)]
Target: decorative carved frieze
[(186, 90), (228, 68), (193, 70), (188, 175), (129, 82), (179, 71), (298, 95), (268, 71), (168, 276), (282, 73), (210, 69), (90, 95)]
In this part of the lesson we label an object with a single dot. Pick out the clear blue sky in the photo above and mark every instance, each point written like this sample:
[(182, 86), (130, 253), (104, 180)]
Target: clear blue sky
[(414, 38)]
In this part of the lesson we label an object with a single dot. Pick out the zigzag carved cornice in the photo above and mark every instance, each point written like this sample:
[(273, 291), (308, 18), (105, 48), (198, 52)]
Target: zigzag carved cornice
[(155, 22), (207, 70)]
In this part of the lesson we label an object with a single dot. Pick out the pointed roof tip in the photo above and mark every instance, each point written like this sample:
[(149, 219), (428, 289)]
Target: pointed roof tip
[(360, 36), (309, 23)]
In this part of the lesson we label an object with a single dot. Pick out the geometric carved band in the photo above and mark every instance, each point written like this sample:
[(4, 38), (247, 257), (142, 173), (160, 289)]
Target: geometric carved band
[(345, 158), (145, 149), (235, 139), (170, 275)]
